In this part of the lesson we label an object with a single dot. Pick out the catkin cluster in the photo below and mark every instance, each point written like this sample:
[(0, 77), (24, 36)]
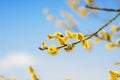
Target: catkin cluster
[(114, 75), (109, 36), (33, 74), (62, 40)]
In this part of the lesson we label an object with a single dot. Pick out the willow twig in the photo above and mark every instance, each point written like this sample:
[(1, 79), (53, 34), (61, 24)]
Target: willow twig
[(91, 35), (104, 9)]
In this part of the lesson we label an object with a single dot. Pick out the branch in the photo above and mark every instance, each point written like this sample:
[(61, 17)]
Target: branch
[(91, 35), (104, 9)]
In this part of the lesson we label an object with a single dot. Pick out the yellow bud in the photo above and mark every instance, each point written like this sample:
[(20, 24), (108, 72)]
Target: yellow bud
[(78, 36), (72, 22), (69, 34), (14, 78), (57, 34), (69, 47), (114, 28), (65, 38), (88, 1), (109, 38), (103, 33), (44, 46), (74, 35), (86, 44), (60, 23), (30, 69), (114, 74), (82, 11), (68, 78), (49, 36), (110, 45), (118, 42), (50, 17), (34, 76), (52, 50), (106, 35), (96, 39), (112, 78), (63, 13), (61, 40), (73, 4)]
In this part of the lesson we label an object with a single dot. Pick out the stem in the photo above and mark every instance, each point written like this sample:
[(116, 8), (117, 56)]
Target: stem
[(104, 9)]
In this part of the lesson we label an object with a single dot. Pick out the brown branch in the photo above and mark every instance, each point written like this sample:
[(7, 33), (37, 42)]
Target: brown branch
[(91, 35), (104, 9)]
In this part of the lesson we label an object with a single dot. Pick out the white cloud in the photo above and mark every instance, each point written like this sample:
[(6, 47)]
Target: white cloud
[(16, 59)]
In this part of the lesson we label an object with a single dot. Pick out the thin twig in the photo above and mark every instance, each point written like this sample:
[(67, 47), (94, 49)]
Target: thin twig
[(104, 9), (91, 35)]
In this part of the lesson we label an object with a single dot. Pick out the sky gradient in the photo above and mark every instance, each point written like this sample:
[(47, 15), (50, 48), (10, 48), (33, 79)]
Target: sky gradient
[(23, 27)]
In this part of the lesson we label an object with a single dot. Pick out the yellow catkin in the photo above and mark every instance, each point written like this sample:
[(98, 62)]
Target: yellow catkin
[(103, 33), (78, 36), (14, 78), (114, 28), (118, 43), (60, 23), (63, 13), (106, 35), (50, 36), (52, 50), (69, 34), (73, 4), (112, 78), (61, 40), (44, 45), (68, 78), (57, 34), (110, 45), (88, 1), (50, 17), (110, 36), (65, 38), (72, 22), (114, 74), (82, 11), (69, 47), (30, 69), (34, 76), (86, 44), (97, 39)]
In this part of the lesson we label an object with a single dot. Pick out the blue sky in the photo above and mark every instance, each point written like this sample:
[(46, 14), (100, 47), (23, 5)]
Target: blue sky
[(23, 27)]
